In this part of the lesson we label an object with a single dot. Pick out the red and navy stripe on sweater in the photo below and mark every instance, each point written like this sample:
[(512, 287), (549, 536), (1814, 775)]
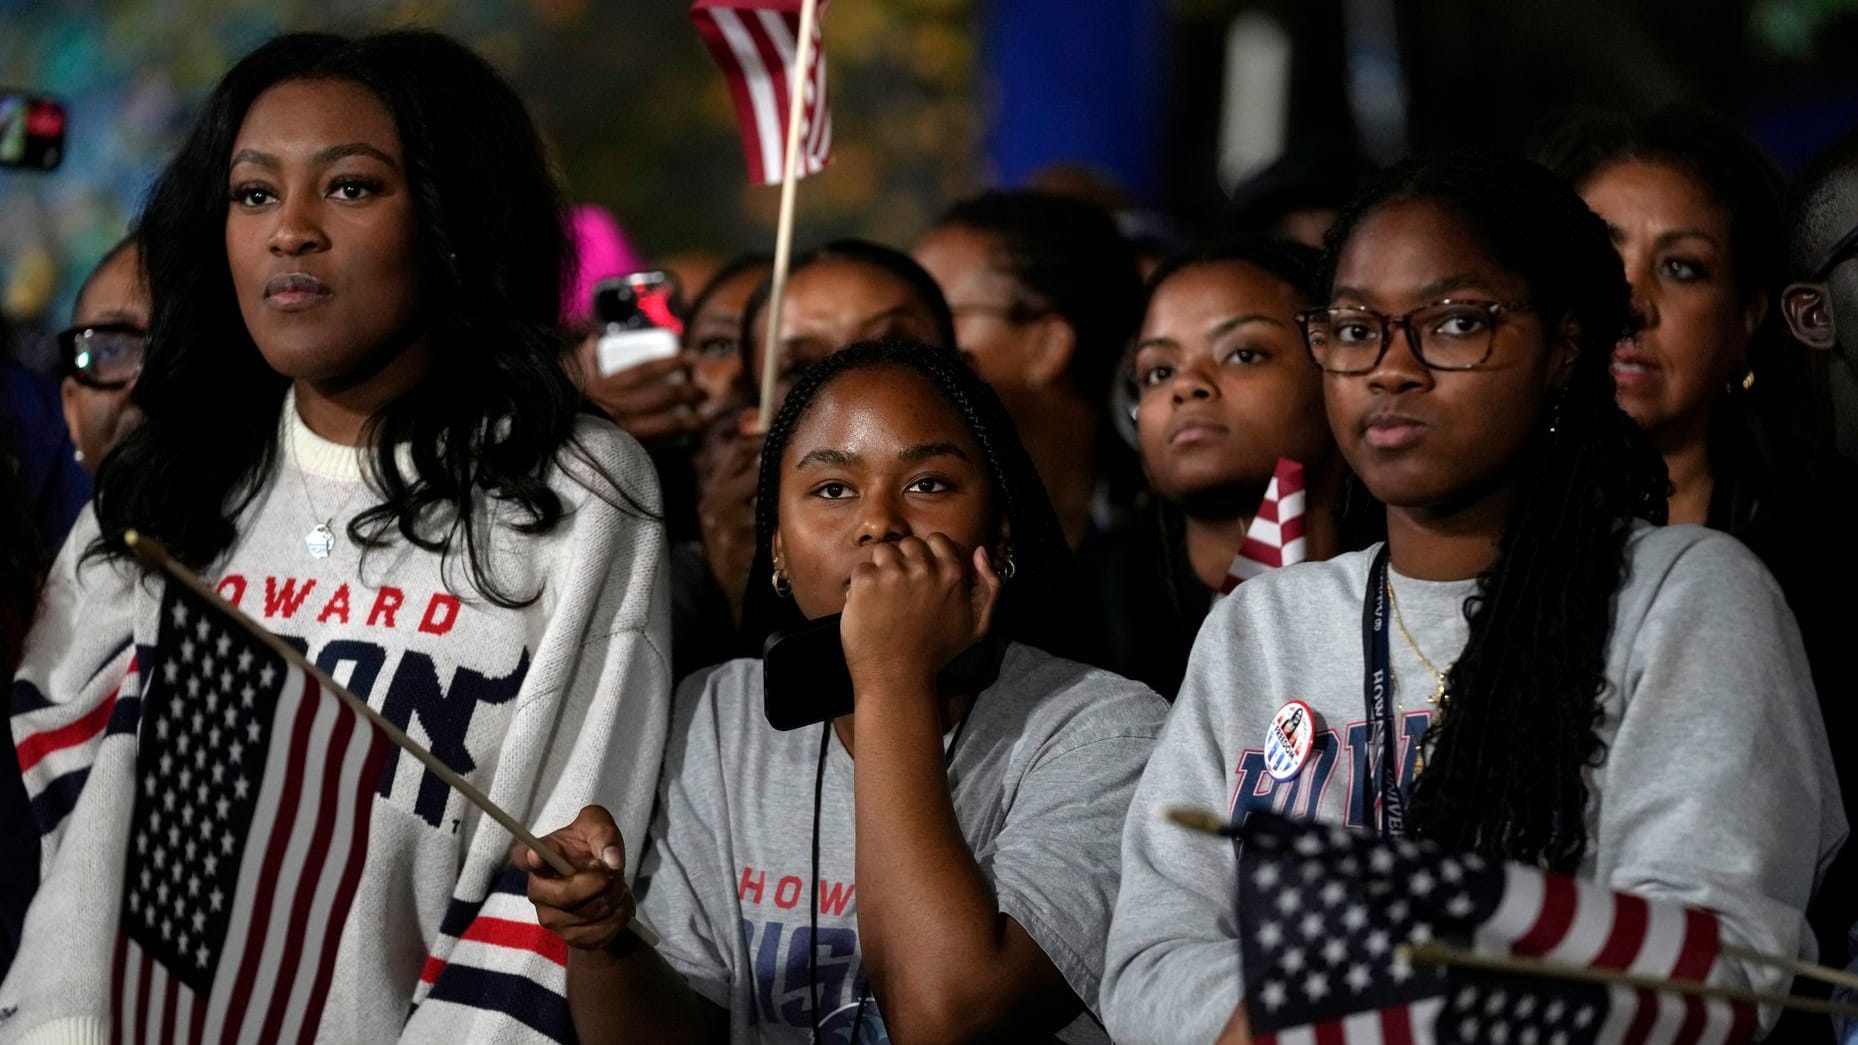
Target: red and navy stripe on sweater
[(55, 760), (492, 954)]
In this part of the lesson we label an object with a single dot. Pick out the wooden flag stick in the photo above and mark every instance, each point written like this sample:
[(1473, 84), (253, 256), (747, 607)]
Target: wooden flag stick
[(154, 555), (784, 228), (1205, 822), (1822, 973), (1440, 954)]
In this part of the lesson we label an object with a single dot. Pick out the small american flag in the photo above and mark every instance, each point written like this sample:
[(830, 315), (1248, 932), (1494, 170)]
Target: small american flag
[(755, 42), (1323, 911), (1275, 537), (253, 795)]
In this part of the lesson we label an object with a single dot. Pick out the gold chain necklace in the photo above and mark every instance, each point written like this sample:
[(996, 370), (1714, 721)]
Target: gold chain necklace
[(1438, 695)]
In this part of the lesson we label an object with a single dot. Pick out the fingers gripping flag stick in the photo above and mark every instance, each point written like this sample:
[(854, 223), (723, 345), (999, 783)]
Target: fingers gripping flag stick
[(755, 43), (1275, 537)]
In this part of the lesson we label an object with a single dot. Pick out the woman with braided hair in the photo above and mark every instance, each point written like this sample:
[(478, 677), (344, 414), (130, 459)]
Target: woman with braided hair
[(963, 815), (1572, 687)]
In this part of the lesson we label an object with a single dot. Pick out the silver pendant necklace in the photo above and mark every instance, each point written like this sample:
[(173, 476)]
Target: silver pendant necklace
[(320, 541)]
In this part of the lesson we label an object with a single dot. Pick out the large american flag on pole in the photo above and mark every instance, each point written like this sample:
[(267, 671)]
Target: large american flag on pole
[(253, 794), (1323, 912), (754, 43)]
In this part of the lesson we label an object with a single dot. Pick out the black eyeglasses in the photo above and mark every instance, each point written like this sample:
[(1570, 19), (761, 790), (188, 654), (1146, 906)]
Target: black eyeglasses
[(107, 356), (1445, 335), (1843, 249)]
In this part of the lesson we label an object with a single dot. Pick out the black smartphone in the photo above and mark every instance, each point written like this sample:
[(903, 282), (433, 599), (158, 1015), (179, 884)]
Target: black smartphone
[(32, 130), (804, 679)]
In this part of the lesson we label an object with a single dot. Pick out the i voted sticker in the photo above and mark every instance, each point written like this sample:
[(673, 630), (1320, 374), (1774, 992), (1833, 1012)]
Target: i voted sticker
[(1287, 743)]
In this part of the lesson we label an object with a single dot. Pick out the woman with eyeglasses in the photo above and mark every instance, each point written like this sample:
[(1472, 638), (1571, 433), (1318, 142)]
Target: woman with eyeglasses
[(102, 354), (358, 430), (1711, 376), (1572, 687)]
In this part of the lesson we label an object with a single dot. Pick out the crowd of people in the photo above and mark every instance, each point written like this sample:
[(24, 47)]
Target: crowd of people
[(1582, 425)]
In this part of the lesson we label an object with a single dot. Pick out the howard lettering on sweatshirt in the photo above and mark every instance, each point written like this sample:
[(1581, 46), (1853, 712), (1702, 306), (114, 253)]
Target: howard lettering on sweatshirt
[(408, 656), (1302, 795)]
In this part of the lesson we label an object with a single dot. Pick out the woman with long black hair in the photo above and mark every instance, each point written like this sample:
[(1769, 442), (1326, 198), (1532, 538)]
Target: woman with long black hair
[(358, 430), (1572, 688), (957, 877)]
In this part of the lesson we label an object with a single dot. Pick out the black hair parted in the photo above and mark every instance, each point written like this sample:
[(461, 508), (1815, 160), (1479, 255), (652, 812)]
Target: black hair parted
[(1506, 755), (486, 421), (1068, 257), (1035, 605), (1297, 265), (857, 252)]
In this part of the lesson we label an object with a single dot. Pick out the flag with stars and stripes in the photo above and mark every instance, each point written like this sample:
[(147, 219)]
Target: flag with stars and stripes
[(1275, 537), (755, 43), (253, 795), (1323, 913)]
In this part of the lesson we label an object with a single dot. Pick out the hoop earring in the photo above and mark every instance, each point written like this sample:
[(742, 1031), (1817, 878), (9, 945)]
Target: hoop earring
[(1554, 415), (1008, 567), (782, 587)]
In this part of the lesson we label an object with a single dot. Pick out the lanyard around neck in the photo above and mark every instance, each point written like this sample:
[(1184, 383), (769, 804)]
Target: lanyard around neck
[(1382, 781)]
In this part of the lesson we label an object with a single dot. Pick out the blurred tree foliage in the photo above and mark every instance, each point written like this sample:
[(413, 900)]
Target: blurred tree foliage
[(633, 109)]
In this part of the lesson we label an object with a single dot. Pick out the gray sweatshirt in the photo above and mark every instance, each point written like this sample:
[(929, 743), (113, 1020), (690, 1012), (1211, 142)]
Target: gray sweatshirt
[(1716, 789)]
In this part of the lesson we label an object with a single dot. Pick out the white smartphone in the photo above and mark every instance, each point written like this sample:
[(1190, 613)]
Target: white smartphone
[(622, 349)]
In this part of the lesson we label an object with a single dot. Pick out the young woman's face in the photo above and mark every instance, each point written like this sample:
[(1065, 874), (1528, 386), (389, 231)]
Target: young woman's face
[(321, 234), (1674, 239), (1225, 384), (880, 455), (984, 300), (711, 337), (1431, 439), (831, 304)]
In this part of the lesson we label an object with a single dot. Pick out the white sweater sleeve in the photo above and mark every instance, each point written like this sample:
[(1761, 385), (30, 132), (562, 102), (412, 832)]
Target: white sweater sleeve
[(76, 702), (1172, 968), (589, 729)]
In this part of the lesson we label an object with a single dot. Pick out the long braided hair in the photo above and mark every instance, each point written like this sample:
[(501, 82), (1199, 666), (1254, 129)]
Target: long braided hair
[(1505, 759), (1033, 606)]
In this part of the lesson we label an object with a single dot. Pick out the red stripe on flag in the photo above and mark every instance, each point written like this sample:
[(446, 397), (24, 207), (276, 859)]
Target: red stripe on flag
[(260, 906), (1330, 1032), (739, 96), (1742, 1024), (1397, 1026), (140, 1027), (199, 1021), (1696, 1019), (1644, 1016), (1559, 898), (1292, 528), (522, 936), (363, 782), (117, 985), (330, 788), (172, 1002), (778, 73), (1700, 948), (34, 748), (1631, 917)]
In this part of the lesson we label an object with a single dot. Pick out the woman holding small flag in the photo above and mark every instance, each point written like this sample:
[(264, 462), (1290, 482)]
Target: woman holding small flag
[(1525, 669), (924, 851), (358, 430)]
